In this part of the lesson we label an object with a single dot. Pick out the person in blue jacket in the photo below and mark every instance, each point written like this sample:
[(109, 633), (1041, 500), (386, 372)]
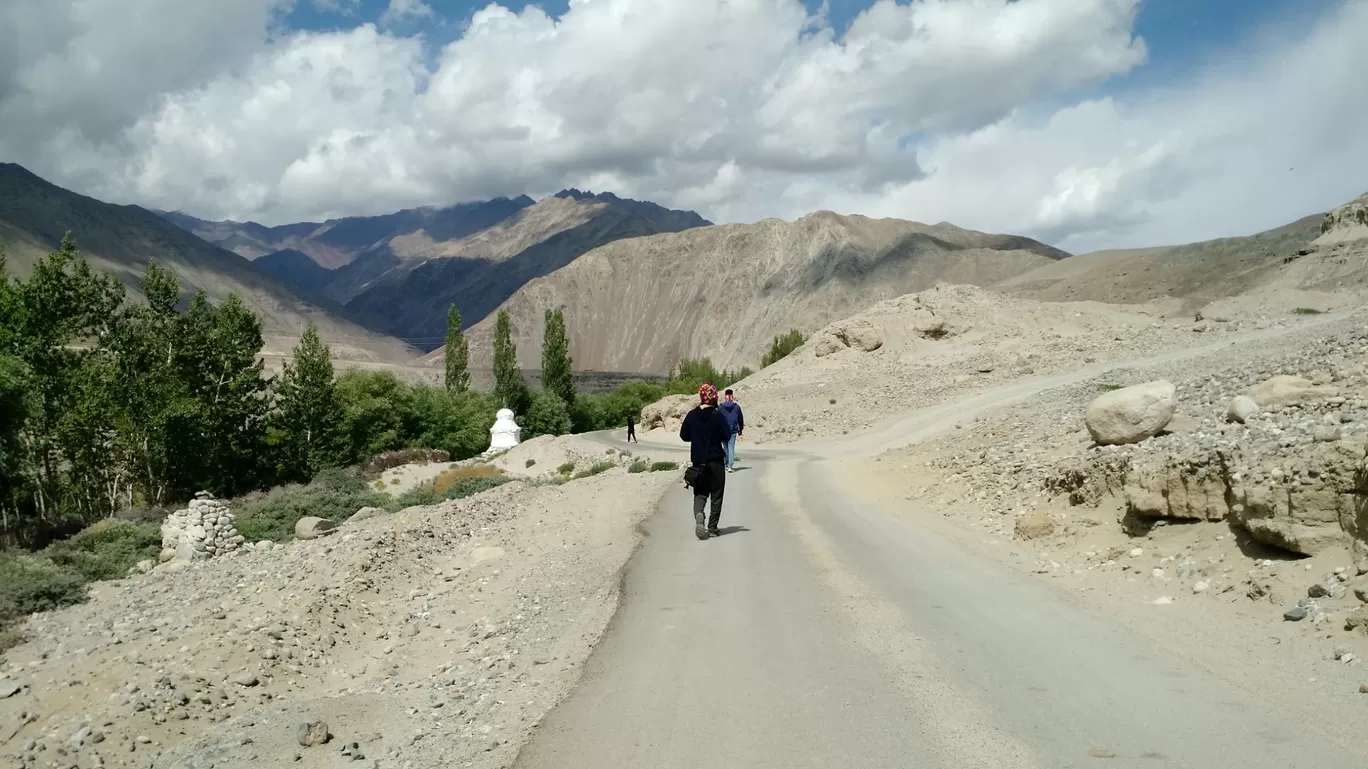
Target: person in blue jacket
[(737, 421)]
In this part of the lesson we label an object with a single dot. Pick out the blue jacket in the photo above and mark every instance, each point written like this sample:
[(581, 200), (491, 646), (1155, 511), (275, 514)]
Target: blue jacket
[(732, 411)]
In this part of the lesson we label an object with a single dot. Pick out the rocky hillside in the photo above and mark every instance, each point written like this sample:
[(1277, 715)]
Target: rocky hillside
[(1195, 273), (337, 242), (295, 269), (406, 286), (120, 240), (725, 291)]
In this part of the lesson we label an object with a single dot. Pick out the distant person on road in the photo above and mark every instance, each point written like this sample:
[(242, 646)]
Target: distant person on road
[(707, 433), (631, 429), (732, 411)]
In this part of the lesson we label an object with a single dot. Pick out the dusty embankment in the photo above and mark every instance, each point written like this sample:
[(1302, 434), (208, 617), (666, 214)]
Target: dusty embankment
[(1190, 538), (433, 637)]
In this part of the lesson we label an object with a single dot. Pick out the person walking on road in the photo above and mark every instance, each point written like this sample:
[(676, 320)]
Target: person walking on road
[(707, 432), (737, 422), (631, 429)]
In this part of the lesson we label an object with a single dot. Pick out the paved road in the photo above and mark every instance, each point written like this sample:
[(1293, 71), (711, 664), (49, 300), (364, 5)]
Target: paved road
[(818, 633)]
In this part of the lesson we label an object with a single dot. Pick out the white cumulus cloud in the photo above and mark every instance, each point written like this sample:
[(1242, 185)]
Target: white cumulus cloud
[(971, 111)]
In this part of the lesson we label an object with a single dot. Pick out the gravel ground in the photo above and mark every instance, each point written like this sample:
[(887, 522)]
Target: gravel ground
[(435, 637)]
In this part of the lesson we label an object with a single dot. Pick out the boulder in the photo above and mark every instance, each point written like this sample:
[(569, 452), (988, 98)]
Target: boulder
[(1242, 409), (1034, 526), (667, 412), (313, 527), (1284, 390), (366, 513), (858, 334), (1131, 414), (312, 733)]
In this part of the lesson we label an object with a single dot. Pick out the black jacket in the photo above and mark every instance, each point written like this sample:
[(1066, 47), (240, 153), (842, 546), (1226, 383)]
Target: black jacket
[(707, 432)]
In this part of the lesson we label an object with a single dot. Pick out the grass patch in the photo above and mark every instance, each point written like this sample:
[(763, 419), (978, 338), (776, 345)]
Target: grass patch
[(422, 495), (639, 466), (469, 487), (1106, 388), (657, 467), (448, 478), (599, 467), (334, 494), (57, 576), (1306, 311), (566, 469)]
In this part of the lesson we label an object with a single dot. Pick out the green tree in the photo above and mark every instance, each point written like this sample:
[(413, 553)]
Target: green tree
[(457, 354), (457, 423), (308, 416), (378, 414), (152, 398), (509, 385), (557, 375), (16, 404), (781, 347), (54, 323), (547, 414)]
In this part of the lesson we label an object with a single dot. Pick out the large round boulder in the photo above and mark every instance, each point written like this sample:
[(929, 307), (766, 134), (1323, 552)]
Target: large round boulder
[(1131, 414)]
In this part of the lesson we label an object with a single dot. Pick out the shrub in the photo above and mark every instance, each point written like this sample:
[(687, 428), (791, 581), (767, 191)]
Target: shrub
[(657, 467), (107, 550), (441, 483), (422, 495), (566, 468), (530, 462), (333, 494), (1306, 311), (389, 460), (467, 487), (639, 466), (456, 422), (31, 583), (547, 414), (781, 347), (599, 467), (1106, 388)]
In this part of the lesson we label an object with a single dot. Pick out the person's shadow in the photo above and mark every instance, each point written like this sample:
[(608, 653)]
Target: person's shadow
[(725, 530)]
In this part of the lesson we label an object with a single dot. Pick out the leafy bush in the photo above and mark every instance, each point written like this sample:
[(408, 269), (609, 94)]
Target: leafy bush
[(599, 467), (609, 411), (566, 468), (548, 414), (422, 495), (688, 375), (379, 414), (467, 487), (530, 462), (107, 550), (657, 467), (31, 583), (456, 422), (639, 466), (333, 494), (781, 347), (388, 460)]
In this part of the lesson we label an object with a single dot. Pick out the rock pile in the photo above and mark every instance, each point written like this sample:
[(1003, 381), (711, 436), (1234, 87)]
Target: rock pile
[(202, 530)]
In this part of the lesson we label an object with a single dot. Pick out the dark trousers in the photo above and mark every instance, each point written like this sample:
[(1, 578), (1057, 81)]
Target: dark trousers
[(711, 484), (631, 433)]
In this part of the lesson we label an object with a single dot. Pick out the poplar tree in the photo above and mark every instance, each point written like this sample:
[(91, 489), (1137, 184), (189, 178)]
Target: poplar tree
[(509, 386), (457, 354), (556, 364)]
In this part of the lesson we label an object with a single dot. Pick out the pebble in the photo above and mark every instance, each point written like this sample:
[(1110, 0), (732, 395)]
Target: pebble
[(1201, 587)]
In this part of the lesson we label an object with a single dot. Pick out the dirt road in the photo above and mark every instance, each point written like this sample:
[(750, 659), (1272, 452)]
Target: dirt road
[(820, 632)]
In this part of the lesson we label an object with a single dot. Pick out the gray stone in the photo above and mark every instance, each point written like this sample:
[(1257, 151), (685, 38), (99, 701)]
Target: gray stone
[(1131, 414), (366, 513), (1242, 409), (9, 687), (313, 527), (1295, 614), (246, 678), (313, 733)]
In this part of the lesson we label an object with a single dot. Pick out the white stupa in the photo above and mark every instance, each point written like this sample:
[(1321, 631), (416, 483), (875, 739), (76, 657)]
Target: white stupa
[(505, 434)]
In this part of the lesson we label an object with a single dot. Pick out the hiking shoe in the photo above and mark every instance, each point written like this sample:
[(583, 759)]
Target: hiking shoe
[(714, 532), (700, 531)]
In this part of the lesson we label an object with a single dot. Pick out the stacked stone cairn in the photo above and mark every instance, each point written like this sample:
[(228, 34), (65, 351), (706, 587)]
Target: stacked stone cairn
[(203, 530)]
